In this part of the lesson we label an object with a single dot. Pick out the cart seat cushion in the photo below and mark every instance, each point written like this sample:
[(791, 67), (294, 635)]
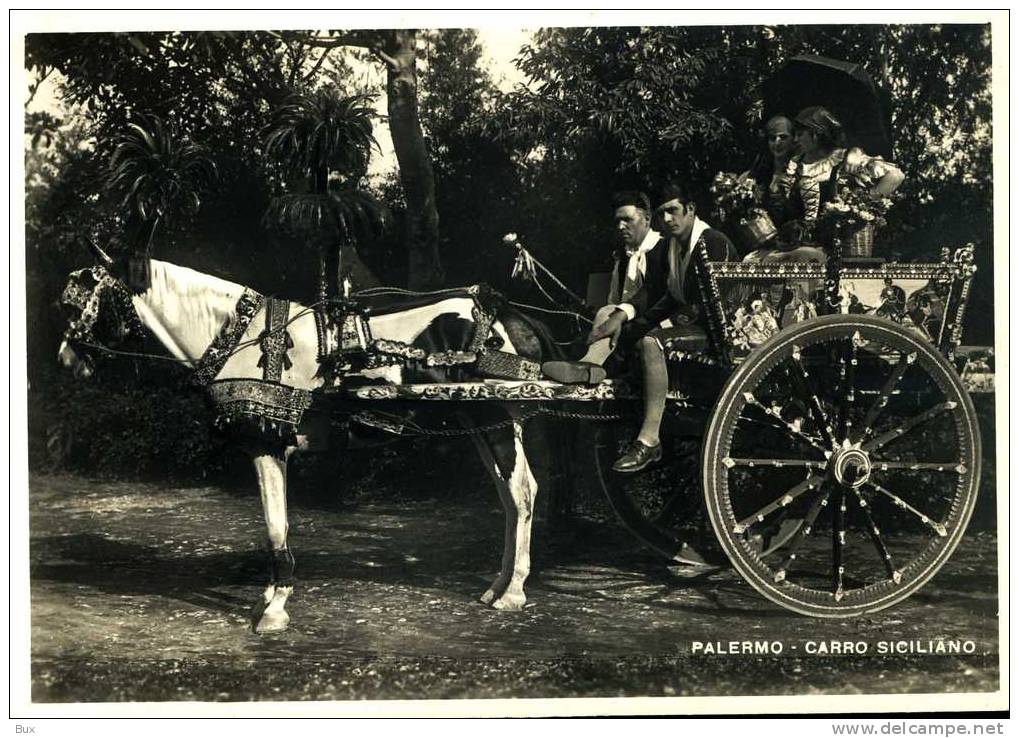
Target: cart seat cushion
[(688, 338)]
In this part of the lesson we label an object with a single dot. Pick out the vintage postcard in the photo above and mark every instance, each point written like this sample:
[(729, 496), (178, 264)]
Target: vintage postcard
[(404, 364)]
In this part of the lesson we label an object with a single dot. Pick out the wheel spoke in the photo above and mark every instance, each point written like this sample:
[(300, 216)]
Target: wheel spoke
[(847, 375), (801, 385), (781, 424), (908, 425), (838, 542), (875, 536), (808, 525), (791, 494), (774, 463), (902, 504), (866, 427), (942, 466)]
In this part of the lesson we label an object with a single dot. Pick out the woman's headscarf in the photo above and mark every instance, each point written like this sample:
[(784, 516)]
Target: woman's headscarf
[(827, 127)]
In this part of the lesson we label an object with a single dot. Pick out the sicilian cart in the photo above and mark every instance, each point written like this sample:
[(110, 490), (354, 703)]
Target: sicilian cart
[(837, 453), (840, 457)]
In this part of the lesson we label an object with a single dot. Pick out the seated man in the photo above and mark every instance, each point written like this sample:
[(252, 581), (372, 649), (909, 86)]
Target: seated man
[(678, 316), (638, 281)]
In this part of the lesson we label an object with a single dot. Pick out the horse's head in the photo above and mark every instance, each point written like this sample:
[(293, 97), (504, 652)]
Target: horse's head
[(100, 315)]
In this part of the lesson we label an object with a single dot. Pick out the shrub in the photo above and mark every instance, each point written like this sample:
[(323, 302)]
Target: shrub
[(132, 430)]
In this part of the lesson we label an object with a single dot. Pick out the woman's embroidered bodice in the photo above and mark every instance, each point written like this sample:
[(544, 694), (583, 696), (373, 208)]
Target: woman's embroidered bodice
[(809, 185)]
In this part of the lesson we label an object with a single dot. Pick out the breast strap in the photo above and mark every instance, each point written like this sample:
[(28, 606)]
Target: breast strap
[(223, 345)]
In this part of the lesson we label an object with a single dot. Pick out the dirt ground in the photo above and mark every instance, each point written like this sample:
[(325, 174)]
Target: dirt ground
[(143, 592)]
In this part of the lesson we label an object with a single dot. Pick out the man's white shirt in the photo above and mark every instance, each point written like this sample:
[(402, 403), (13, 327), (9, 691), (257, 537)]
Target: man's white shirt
[(636, 269)]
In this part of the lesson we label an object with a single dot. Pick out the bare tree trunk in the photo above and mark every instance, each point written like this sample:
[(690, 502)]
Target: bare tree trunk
[(397, 49), (424, 263)]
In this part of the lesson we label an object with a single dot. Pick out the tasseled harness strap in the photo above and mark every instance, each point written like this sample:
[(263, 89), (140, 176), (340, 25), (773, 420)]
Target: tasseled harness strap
[(275, 341)]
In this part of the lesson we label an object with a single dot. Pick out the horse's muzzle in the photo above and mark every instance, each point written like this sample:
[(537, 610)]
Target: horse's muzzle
[(69, 359)]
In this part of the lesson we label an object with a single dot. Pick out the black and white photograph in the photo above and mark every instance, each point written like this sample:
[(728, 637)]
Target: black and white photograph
[(381, 363)]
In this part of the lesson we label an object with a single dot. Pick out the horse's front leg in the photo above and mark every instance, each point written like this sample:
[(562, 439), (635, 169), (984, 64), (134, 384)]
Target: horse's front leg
[(518, 492), (270, 615)]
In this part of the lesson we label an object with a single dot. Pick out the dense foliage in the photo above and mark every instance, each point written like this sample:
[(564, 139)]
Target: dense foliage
[(603, 109), (612, 107)]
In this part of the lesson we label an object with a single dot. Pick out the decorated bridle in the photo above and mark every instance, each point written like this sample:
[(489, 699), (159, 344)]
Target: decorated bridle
[(88, 298)]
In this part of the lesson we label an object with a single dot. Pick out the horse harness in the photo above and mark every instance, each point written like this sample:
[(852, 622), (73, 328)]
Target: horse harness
[(268, 410), (346, 345), (89, 299)]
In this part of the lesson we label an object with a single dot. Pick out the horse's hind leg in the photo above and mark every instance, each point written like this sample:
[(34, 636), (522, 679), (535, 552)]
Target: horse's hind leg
[(271, 615), (518, 492)]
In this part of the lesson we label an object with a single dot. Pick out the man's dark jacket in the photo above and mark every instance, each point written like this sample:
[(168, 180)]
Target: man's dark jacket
[(653, 301)]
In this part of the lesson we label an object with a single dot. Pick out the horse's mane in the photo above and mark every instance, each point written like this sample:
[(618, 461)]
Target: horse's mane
[(206, 297), (190, 281), (185, 308)]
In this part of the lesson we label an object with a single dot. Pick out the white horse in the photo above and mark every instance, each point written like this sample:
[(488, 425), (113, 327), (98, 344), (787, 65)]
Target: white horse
[(187, 311)]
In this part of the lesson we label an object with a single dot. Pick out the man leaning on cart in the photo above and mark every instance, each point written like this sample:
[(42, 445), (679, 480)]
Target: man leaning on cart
[(676, 318)]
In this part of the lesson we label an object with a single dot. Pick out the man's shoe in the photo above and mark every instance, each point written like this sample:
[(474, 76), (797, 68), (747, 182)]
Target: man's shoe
[(637, 457), (573, 372)]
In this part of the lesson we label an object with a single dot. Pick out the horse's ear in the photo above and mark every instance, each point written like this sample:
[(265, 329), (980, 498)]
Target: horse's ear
[(102, 257)]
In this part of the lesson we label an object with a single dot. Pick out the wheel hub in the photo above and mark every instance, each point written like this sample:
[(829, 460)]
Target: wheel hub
[(851, 467)]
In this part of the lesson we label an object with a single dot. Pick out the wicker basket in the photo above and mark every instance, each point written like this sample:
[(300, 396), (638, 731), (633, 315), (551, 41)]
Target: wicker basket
[(757, 229)]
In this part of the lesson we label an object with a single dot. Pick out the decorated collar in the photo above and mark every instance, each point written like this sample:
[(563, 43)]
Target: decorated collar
[(821, 167)]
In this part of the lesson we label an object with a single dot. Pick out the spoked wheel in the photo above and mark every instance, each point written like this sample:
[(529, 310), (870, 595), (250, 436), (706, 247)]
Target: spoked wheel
[(856, 435), (662, 505)]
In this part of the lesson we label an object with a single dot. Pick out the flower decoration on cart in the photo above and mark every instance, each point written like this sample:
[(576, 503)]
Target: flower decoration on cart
[(738, 201), (852, 218)]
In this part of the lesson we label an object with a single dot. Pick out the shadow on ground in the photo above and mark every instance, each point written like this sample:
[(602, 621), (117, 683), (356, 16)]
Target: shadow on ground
[(141, 592)]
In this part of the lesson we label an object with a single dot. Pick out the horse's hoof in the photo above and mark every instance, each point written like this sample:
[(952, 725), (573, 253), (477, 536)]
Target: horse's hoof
[(488, 597), (272, 622), (510, 602)]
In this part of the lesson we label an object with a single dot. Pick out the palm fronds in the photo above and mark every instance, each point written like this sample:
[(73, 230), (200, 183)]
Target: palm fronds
[(317, 134), (351, 213), (322, 131), (153, 173)]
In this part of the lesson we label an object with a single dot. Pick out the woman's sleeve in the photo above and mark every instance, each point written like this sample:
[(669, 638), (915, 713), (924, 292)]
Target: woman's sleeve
[(877, 168), (869, 169)]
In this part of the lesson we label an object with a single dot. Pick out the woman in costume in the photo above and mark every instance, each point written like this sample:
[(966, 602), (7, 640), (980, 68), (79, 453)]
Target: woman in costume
[(813, 177)]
